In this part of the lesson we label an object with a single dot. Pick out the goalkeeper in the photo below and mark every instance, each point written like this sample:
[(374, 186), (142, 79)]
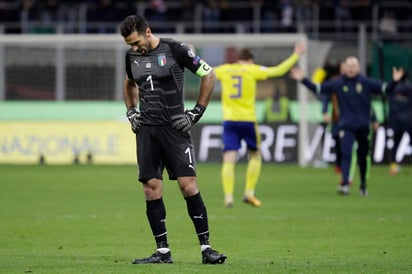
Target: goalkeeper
[(154, 77)]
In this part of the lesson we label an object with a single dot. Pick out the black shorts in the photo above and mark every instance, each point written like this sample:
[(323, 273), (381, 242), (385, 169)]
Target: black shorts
[(160, 147)]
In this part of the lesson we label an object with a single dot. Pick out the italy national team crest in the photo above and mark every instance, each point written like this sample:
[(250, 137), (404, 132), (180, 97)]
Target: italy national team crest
[(161, 59)]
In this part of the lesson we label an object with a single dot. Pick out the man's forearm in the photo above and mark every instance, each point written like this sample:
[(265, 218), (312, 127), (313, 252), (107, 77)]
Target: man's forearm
[(207, 85), (129, 93), (307, 83)]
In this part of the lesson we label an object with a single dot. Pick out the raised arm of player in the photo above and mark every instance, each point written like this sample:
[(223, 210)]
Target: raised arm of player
[(287, 64), (297, 74), (397, 74)]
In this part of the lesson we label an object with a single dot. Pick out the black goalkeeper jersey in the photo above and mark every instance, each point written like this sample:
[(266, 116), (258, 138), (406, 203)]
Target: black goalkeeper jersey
[(160, 78)]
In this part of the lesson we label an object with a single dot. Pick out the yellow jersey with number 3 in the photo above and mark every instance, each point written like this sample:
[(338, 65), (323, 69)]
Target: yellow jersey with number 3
[(238, 83)]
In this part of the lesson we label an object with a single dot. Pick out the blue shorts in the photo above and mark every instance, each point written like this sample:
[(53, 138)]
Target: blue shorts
[(235, 132)]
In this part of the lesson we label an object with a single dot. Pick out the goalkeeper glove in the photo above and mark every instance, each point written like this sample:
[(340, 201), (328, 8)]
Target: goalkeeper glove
[(184, 122), (134, 118)]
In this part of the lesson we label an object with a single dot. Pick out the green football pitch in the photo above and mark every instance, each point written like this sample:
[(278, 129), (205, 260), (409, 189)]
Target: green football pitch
[(91, 219)]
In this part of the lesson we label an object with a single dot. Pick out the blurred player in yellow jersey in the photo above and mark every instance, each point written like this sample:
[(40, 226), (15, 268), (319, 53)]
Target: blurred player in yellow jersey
[(239, 117)]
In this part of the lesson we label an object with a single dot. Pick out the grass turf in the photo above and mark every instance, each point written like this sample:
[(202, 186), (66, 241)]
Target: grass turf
[(91, 219)]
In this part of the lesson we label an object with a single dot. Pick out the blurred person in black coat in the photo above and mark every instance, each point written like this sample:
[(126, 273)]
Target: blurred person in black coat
[(400, 118)]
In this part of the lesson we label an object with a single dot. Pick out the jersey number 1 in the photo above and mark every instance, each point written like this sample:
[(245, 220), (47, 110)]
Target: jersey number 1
[(149, 79)]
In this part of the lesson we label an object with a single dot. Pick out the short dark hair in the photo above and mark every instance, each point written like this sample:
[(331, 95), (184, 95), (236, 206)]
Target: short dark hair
[(405, 75), (133, 23), (245, 54)]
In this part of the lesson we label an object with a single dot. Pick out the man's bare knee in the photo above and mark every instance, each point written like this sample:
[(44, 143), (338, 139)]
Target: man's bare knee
[(152, 189), (188, 186)]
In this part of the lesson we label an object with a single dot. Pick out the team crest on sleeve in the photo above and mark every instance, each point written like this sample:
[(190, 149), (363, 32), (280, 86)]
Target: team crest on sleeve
[(196, 60), (190, 53), (359, 87), (190, 50), (161, 59)]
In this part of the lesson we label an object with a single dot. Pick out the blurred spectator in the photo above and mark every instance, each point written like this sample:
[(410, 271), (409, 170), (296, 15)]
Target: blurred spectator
[(400, 119), (226, 16), (103, 15), (186, 14), (210, 15), (39, 16), (270, 16), (244, 16), (48, 10), (388, 25), (29, 14), (286, 11), (304, 12), (156, 12), (343, 17), (188, 8), (68, 15), (361, 10), (277, 14), (10, 13)]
